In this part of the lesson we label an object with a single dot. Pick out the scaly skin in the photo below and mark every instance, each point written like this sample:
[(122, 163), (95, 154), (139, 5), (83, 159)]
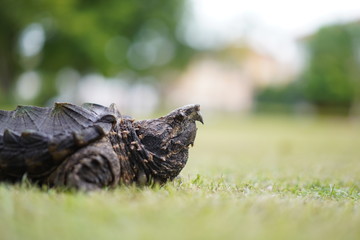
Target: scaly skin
[(138, 152), (92, 167)]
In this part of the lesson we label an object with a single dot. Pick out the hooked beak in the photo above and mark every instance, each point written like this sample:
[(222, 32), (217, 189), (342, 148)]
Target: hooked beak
[(189, 112), (198, 116)]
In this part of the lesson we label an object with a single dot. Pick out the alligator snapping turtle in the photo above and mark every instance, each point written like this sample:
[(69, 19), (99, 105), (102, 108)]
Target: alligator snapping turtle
[(91, 146)]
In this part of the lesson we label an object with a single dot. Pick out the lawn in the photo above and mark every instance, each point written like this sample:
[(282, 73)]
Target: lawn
[(247, 178)]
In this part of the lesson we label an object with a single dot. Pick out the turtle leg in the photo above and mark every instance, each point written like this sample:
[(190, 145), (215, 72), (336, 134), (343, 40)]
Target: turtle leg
[(93, 167)]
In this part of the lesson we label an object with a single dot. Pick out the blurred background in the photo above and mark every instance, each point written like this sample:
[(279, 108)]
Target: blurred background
[(279, 87), (229, 56)]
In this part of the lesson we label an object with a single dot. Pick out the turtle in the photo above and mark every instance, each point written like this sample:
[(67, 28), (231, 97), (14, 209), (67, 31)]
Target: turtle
[(90, 146)]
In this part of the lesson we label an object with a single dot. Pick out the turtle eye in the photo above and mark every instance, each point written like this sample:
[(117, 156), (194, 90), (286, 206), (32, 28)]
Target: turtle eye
[(180, 117)]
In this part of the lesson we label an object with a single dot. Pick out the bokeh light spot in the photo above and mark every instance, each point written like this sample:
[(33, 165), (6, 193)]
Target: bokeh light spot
[(32, 40), (28, 85)]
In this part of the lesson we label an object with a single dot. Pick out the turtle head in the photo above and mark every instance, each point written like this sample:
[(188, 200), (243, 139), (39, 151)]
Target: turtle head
[(185, 114), (167, 140)]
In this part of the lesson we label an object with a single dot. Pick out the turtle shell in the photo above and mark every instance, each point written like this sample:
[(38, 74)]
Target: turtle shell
[(35, 140)]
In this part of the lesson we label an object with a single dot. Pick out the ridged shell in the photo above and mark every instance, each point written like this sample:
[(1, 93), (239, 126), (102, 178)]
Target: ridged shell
[(35, 140)]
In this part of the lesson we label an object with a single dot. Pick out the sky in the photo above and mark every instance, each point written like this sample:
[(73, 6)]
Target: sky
[(271, 26)]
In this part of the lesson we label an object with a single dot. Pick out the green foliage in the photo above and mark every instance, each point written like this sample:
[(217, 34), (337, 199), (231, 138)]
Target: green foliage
[(281, 97), (90, 36), (247, 178), (331, 78)]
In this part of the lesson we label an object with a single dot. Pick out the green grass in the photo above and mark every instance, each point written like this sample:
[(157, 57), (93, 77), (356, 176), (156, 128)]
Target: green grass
[(247, 178)]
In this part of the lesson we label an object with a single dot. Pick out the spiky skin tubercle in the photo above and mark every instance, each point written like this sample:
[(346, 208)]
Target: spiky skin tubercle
[(96, 147)]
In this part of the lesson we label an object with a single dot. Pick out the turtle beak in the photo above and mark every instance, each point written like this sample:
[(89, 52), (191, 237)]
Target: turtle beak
[(198, 116), (189, 112)]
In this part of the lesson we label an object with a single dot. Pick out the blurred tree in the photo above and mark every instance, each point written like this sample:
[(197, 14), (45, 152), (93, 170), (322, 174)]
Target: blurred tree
[(280, 98), (285, 94), (331, 79), (89, 36)]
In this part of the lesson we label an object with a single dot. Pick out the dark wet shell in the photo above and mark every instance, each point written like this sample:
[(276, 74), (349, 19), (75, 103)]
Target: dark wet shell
[(36, 140)]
